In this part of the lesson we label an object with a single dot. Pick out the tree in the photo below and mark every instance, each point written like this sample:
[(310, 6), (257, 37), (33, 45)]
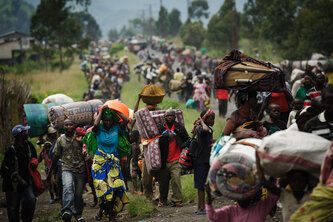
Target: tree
[(15, 15), (193, 33), (88, 25), (198, 9), (312, 31), (174, 22), (126, 32), (113, 35), (222, 30), (54, 22), (162, 22)]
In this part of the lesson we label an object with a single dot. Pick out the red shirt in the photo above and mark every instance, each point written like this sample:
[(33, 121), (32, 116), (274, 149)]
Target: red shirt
[(280, 99), (222, 94), (174, 150)]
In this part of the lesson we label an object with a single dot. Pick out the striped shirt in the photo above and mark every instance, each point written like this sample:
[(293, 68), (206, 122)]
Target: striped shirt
[(319, 126), (310, 95)]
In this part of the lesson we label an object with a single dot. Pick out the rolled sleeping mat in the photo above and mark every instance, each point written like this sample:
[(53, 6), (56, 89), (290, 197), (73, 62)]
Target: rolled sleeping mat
[(80, 112)]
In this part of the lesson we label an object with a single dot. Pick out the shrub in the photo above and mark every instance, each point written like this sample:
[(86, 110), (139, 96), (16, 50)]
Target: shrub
[(116, 47)]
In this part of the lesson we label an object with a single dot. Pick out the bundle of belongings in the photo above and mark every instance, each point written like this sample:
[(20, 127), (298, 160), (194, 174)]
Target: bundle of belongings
[(284, 151), (152, 94), (238, 71), (319, 207), (147, 125), (80, 112), (233, 172)]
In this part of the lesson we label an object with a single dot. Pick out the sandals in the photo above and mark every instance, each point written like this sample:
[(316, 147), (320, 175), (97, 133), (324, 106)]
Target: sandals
[(177, 204), (201, 212)]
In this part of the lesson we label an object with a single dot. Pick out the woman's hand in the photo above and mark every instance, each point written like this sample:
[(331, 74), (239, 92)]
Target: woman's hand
[(105, 107)]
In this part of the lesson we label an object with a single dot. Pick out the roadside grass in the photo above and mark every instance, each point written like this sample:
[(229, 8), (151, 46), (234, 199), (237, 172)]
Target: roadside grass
[(54, 217), (139, 207), (44, 83), (188, 190)]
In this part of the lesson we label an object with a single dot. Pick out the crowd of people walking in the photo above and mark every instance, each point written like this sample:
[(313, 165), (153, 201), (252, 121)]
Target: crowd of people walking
[(94, 154)]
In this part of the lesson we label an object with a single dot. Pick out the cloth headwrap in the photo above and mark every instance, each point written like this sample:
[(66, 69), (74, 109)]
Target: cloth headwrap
[(112, 113), (196, 122)]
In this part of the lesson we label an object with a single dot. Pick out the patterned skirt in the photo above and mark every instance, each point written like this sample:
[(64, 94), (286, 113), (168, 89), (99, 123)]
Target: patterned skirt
[(108, 180)]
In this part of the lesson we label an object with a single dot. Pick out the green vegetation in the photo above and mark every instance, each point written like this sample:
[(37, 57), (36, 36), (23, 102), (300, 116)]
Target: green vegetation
[(116, 47), (301, 29), (70, 82), (139, 206), (188, 190), (15, 15), (54, 23)]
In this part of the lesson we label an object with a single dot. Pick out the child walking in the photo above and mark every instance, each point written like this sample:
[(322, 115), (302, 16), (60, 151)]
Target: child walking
[(202, 128)]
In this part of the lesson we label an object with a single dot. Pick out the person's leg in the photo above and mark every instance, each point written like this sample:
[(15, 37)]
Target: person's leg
[(79, 182), (13, 206), (28, 204), (224, 107), (93, 191), (147, 181), (68, 192), (176, 185), (201, 200), (163, 180), (220, 107), (59, 183)]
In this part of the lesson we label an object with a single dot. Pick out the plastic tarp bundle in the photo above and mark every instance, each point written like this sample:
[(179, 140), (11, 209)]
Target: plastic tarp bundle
[(37, 117), (284, 151), (80, 112), (158, 116), (221, 145), (239, 71), (149, 133), (58, 99), (233, 173)]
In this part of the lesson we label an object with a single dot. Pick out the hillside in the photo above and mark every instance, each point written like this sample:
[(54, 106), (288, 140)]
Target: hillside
[(15, 15)]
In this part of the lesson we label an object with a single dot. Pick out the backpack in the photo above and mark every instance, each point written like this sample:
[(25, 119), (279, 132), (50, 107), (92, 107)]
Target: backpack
[(189, 154)]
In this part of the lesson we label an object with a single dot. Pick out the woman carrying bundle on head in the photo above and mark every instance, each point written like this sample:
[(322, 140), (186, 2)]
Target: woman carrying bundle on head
[(106, 172), (243, 123)]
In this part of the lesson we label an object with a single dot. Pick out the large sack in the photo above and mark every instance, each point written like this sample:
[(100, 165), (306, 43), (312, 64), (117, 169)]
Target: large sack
[(284, 151), (158, 116), (175, 85), (37, 117), (220, 146), (58, 99), (233, 172), (296, 74), (152, 94), (238, 71), (80, 112)]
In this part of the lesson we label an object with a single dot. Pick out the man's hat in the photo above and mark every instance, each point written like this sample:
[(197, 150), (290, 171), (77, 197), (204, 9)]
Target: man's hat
[(18, 129)]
